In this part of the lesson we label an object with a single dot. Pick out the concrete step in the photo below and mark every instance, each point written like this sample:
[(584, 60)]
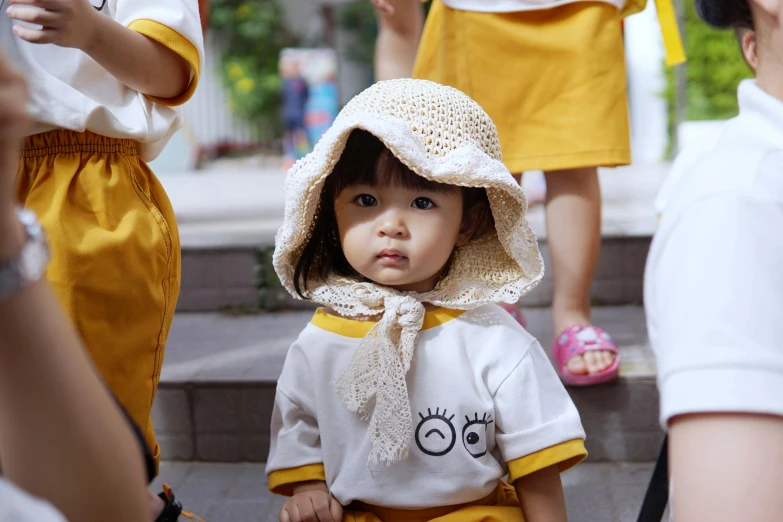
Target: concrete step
[(242, 277), (594, 492), (218, 384)]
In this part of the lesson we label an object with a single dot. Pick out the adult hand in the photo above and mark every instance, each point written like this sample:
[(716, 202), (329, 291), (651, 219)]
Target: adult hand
[(67, 23), (383, 6)]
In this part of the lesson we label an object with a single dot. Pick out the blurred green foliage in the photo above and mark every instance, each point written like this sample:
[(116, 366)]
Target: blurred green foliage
[(250, 35), (714, 69)]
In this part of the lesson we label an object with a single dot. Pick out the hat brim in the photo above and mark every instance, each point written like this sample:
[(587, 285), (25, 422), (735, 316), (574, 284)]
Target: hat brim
[(501, 266)]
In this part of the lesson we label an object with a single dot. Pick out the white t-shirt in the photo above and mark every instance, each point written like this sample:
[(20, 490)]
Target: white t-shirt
[(484, 398), (69, 90), (18, 506), (714, 277)]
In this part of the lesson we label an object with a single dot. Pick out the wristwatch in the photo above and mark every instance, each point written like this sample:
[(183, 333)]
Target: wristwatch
[(29, 264)]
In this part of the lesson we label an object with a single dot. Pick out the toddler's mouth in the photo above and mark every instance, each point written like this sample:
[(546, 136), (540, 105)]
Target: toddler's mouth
[(390, 255)]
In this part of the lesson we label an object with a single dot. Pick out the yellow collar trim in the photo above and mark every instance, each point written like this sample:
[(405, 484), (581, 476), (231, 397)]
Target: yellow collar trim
[(358, 329)]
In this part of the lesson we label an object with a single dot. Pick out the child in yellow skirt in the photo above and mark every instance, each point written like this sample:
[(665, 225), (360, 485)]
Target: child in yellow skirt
[(412, 394), (105, 78), (552, 76)]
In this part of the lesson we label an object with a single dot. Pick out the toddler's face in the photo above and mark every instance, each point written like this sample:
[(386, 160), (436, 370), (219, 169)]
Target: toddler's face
[(398, 237)]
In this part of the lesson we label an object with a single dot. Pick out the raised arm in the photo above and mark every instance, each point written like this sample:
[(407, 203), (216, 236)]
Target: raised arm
[(137, 61)]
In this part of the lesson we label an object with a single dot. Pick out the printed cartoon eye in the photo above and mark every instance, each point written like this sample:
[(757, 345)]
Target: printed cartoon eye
[(423, 203), (435, 434), (474, 435), (365, 200)]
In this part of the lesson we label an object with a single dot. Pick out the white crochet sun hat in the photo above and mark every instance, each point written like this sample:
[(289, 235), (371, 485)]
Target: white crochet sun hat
[(444, 136)]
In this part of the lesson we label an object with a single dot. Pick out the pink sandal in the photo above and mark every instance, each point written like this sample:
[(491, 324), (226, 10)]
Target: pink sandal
[(515, 312), (578, 340)]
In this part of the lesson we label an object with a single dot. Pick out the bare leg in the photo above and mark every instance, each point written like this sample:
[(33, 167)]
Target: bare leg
[(156, 505), (399, 31), (573, 220)]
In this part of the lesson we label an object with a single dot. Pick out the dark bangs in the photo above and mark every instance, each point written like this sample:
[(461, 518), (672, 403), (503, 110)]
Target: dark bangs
[(371, 163)]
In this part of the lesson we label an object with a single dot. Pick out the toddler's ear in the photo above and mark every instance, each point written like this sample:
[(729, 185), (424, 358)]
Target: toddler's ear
[(469, 228)]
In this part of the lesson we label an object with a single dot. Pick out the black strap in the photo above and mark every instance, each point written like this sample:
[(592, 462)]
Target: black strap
[(149, 461), (657, 496)]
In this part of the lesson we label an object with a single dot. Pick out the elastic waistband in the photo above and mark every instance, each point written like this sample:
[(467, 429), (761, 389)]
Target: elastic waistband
[(68, 142)]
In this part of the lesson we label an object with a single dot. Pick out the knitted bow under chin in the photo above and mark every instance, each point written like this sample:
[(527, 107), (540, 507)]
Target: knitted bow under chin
[(378, 368)]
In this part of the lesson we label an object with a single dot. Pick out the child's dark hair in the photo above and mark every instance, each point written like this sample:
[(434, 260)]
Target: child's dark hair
[(366, 161), (724, 14)]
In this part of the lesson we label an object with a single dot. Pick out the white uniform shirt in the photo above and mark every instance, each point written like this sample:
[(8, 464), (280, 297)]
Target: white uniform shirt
[(18, 506), (69, 90), (714, 277), (483, 394)]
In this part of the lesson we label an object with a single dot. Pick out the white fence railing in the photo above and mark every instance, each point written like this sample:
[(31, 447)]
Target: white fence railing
[(208, 113)]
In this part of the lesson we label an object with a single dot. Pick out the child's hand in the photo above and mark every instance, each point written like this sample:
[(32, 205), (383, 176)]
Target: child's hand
[(384, 7), (67, 23), (311, 503)]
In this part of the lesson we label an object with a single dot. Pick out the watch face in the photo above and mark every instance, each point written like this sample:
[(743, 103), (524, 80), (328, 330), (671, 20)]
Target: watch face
[(34, 259)]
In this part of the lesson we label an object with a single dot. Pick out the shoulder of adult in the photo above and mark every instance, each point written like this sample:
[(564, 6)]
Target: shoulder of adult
[(731, 164)]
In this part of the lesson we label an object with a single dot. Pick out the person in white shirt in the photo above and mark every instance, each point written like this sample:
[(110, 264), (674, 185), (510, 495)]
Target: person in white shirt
[(411, 395), (714, 294), (106, 79), (67, 450)]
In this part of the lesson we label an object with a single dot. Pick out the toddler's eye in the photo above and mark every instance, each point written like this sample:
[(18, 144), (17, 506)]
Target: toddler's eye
[(423, 203), (366, 200)]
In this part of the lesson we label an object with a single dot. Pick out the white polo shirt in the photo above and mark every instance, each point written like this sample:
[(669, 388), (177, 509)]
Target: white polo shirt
[(485, 402), (19, 506), (69, 90), (714, 277)]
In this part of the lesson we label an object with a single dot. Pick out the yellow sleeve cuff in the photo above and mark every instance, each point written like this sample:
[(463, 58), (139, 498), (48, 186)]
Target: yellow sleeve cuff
[(281, 482), (566, 455), (174, 41)]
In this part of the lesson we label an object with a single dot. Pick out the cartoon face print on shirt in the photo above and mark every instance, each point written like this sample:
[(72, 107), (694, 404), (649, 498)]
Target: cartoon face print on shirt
[(474, 435), (435, 434)]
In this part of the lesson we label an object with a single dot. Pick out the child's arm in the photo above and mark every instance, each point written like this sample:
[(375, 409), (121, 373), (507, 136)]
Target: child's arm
[(311, 501), (541, 496), (135, 60)]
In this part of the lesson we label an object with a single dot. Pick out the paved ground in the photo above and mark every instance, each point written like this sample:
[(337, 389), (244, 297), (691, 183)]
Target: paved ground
[(603, 492), (243, 206), (215, 347)]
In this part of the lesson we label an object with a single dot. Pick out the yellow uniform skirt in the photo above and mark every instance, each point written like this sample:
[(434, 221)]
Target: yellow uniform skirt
[(552, 80), (115, 255), (501, 505)]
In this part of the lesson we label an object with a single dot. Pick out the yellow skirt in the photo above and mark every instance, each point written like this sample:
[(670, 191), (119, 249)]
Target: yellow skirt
[(552, 80), (501, 505), (115, 255)]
